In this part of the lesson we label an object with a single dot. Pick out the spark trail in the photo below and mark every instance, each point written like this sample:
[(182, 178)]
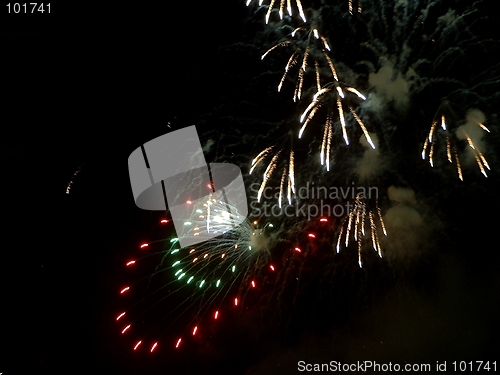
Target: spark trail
[(447, 126), (196, 284), (309, 53), (361, 225)]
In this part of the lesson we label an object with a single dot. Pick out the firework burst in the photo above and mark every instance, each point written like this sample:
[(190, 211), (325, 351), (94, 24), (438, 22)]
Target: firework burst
[(333, 96), (205, 279), (446, 125), (310, 52), (362, 223), (281, 154), (203, 282), (282, 5), (352, 5)]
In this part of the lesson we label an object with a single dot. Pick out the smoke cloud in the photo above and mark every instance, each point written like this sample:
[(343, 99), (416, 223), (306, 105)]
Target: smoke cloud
[(474, 117), (407, 230), (369, 165), (388, 89)]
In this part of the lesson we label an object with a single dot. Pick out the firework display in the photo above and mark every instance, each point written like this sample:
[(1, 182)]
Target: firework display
[(206, 272), (289, 8), (401, 46), (447, 127)]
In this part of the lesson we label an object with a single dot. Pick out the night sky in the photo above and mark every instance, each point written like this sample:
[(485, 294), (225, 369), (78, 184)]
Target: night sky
[(82, 91)]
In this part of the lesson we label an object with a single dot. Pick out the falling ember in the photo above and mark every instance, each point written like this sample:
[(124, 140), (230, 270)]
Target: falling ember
[(253, 284), (312, 105), (306, 51), (281, 82), (304, 59), (342, 121), (448, 149), (318, 77), (373, 228), (483, 160), (298, 250), (291, 174), (301, 11), (431, 154), (469, 141), (332, 95), (348, 231), (271, 267), (120, 316), (483, 127), (340, 92), (144, 245), (325, 43), (124, 290), (315, 99), (259, 158), (68, 187), (480, 159), (125, 329), (268, 14), (323, 146), (354, 91), (298, 88), (288, 172), (137, 345), (443, 122), (194, 330), (154, 346), (311, 235), (289, 191), (483, 171), (339, 238), (178, 343), (328, 141), (164, 221), (354, 225), (363, 128), (459, 168), (280, 196), (216, 315), (236, 302), (130, 263), (431, 132), (381, 220), (269, 170), (281, 8), (332, 67), (282, 44), (424, 149), (453, 132)]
